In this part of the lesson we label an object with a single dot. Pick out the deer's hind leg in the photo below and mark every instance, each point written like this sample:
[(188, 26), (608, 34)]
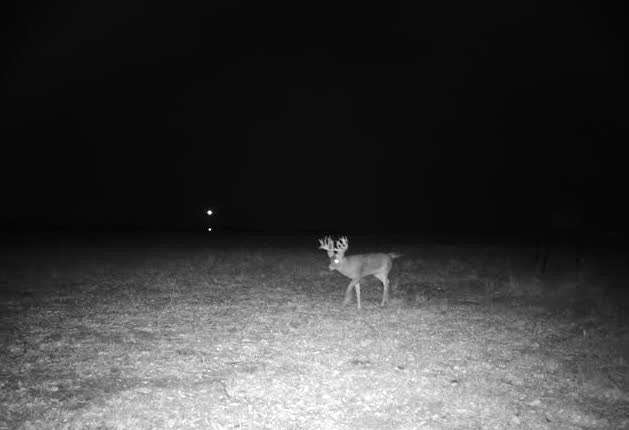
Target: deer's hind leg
[(384, 278)]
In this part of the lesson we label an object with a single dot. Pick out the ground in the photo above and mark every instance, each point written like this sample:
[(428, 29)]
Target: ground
[(255, 336)]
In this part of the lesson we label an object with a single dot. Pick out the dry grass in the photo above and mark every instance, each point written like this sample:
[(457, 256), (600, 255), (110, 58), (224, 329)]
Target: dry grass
[(150, 338)]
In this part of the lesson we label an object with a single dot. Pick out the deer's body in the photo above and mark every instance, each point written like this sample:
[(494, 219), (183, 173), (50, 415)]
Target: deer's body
[(359, 266)]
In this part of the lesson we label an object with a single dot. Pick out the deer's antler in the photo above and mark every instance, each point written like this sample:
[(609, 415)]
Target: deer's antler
[(341, 245), (327, 244)]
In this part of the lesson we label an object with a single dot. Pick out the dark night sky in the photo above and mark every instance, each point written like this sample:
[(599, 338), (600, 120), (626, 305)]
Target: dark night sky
[(410, 115)]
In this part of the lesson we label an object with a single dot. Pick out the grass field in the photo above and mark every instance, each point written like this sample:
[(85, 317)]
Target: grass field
[(254, 336)]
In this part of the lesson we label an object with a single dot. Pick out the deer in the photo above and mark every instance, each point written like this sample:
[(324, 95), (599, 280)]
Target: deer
[(359, 266)]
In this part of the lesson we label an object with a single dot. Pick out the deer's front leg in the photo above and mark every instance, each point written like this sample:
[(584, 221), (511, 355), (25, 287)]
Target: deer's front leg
[(348, 291)]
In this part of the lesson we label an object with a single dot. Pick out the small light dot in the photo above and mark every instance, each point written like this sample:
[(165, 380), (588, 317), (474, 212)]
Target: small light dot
[(209, 212), (209, 229)]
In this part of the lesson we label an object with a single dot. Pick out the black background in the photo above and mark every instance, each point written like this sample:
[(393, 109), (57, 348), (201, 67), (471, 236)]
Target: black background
[(394, 117)]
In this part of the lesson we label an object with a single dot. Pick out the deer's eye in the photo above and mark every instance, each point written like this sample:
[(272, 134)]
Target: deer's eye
[(336, 261)]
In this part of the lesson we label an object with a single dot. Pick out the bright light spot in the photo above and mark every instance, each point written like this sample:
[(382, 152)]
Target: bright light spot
[(209, 229), (209, 212)]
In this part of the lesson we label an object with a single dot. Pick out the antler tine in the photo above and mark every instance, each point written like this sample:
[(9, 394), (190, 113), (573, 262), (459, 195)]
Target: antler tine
[(342, 244), (326, 243)]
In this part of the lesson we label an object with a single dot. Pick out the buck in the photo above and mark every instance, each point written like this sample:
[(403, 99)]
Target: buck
[(357, 267)]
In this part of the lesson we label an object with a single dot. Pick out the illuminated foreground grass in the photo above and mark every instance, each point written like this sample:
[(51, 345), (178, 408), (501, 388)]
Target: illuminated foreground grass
[(158, 339)]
